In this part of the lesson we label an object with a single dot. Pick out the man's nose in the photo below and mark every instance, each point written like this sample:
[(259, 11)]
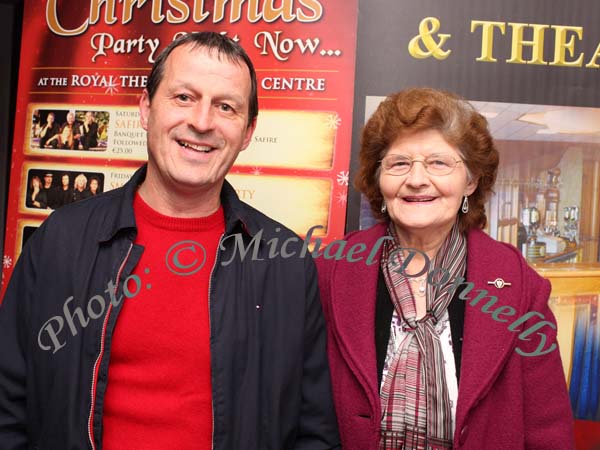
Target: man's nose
[(203, 116)]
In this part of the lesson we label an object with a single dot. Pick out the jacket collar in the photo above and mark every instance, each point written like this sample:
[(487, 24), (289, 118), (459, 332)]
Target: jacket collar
[(487, 344), (238, 216)]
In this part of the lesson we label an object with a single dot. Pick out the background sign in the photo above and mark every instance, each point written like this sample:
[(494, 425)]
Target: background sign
[(83, 69)]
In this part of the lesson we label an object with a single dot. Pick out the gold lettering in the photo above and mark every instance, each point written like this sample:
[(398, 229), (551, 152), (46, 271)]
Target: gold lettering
[(254, 14), (56, 27), (487, 38), (157, 15), (271, 13), (109, 11), (235, 12), (199, 15), (315, 8), (128, 9), (182, 8), (592, 64), (561, 46), (536, 44)]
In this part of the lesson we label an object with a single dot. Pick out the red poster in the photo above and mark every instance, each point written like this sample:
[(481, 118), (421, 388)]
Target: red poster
[(78, 134)]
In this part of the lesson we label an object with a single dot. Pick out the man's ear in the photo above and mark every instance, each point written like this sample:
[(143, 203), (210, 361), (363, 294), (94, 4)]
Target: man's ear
[(144, 109), (249, 132)]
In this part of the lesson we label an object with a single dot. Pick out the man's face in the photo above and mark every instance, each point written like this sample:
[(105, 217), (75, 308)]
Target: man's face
[(65, 180), (197, 122), (50, 119), (47, 180), (89, 118)]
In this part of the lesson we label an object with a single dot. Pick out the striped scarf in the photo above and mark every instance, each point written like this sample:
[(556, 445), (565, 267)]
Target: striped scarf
[(414, 395)]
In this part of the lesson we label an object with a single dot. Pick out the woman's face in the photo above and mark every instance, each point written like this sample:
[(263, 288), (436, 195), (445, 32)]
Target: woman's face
[(419, 202), (94, 185)]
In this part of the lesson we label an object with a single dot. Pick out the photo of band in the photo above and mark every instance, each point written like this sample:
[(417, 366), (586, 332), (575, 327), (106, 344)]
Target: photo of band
[(51, 189), (69, 129)]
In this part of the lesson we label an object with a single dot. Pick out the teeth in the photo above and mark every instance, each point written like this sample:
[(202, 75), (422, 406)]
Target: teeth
[(198, 148)]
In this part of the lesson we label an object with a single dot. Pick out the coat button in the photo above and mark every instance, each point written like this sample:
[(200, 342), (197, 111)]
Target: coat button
[(463, 435)]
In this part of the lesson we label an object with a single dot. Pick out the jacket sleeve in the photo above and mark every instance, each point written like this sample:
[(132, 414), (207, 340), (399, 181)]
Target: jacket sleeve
[(13, 326), (548, 416), (317, 428)]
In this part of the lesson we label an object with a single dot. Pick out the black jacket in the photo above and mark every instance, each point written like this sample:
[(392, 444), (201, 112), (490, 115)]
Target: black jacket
[(270, 379)]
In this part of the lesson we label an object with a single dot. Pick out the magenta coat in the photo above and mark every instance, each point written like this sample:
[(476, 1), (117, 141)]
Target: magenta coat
[(505, 401)]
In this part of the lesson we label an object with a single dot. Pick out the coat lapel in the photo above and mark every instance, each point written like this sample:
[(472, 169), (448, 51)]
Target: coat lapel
[(487, 343), (353, 311)]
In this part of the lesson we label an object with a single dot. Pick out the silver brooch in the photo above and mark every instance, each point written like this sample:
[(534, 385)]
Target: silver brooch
[(499, 283)]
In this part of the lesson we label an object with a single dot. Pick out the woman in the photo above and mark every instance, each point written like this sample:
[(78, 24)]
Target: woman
[(94, 185), (36, 197), (402, 377)]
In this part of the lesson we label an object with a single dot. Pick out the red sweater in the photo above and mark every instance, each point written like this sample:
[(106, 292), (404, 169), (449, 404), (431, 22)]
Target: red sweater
[(159, 387)]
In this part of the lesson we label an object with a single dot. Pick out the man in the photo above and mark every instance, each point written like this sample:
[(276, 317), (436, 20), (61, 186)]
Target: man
[(79, 189), (69, 133), (61, 195), (49, 133), (207, 355), (89, 132), (48, 178)]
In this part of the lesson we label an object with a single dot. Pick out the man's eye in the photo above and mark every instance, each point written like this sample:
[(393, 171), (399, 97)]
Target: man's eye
[(183, 97), (225, 107)]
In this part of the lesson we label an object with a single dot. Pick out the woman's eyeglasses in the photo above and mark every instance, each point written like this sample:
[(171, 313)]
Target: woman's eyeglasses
[(434, 164)]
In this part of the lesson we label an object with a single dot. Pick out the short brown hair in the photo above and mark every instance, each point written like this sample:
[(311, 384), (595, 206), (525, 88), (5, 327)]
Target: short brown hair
[(211, 41), (420, 109)]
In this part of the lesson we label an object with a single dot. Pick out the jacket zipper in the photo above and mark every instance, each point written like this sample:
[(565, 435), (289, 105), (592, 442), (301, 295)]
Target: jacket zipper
[(99, 358), (212, 402)]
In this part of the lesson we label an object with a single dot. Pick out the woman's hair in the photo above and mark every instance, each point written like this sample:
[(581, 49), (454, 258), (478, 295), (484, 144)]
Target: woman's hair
[(80, 177), (95, 178), (38, 180), (421, 109)]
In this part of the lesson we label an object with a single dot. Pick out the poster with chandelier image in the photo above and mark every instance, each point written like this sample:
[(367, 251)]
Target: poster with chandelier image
[(82, 71), (531, 69)]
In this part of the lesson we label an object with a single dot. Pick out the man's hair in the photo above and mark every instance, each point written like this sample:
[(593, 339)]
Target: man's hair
[(210, 41)]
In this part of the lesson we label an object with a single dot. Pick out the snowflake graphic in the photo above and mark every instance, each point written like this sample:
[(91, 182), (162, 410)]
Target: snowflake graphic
[(256, 171), (342, 178), (7, 262), (333, 121), (112, 88), (341, 198)]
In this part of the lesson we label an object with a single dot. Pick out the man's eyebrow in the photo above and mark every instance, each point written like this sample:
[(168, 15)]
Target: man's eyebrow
[(227, 96)]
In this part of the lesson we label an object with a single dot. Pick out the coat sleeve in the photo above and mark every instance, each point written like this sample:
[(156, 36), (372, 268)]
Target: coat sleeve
[(548, 417), (13, 342), (318, 424)]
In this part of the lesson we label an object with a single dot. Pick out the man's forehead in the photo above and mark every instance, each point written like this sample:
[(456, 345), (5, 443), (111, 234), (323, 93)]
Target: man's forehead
[(190, 50)]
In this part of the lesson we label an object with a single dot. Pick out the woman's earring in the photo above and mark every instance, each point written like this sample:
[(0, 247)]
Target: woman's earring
[(383, 208), (465, 205)]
